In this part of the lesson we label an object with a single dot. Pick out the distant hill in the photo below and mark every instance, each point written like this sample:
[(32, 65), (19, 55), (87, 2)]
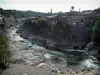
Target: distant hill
[(19, 13), (29, 13)]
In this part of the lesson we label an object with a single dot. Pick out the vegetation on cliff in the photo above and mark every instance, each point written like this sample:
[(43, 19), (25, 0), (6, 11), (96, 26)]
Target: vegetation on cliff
[(41, 22)]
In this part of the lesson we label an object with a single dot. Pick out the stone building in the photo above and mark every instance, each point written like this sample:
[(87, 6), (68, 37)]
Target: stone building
[(79, 35), (76, 21)]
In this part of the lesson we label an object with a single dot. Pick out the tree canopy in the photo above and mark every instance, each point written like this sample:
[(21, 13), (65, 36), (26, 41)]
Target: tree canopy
[(96, 33)]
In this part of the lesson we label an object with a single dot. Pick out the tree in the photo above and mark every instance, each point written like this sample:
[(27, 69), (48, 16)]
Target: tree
[(41, 22), (96, 33), (96, 38), (5, 52)]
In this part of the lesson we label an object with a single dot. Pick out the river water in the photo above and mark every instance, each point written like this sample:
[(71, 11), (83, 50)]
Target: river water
[(69, 58)]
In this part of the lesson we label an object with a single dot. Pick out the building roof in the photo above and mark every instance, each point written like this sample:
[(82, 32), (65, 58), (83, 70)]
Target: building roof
[(52, 16), (75, 13)]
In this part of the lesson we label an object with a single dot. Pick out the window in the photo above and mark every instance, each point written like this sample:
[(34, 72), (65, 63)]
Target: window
[(81, 20), (77, 23)]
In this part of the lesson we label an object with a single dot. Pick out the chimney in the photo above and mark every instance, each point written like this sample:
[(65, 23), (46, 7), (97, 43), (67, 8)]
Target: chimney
[(51, 11), (79, 10)]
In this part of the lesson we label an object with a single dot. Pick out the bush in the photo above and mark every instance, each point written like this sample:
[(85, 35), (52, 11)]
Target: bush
[(5, 53), (41, 22)]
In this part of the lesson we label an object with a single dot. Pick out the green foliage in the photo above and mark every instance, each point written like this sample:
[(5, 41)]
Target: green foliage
[(96, 33), (41, 22), (23, 14), (5, 52)]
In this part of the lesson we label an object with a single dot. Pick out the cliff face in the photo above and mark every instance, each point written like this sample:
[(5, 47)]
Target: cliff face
[(72, 30), (42, 33), (59, 33)]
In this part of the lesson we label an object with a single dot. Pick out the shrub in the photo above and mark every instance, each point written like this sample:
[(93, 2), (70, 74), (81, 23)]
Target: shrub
[(41, 23), (5, 52)]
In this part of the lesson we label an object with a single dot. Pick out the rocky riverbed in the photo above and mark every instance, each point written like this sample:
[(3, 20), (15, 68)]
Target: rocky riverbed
[(48, 62)]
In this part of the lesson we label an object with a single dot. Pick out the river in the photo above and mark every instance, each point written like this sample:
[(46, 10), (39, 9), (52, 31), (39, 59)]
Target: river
[(69, 58)]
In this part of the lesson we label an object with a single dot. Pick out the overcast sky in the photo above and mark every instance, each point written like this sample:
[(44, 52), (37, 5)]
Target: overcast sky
[(46, 5)]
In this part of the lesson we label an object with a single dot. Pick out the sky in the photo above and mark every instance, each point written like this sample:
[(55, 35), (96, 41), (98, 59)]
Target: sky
[(46, 5)]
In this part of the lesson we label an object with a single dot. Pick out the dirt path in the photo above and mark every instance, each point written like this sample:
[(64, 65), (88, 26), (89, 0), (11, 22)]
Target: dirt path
[(20, 69)]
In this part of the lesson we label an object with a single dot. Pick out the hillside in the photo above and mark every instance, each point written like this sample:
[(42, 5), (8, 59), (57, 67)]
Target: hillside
[(21, 14)]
